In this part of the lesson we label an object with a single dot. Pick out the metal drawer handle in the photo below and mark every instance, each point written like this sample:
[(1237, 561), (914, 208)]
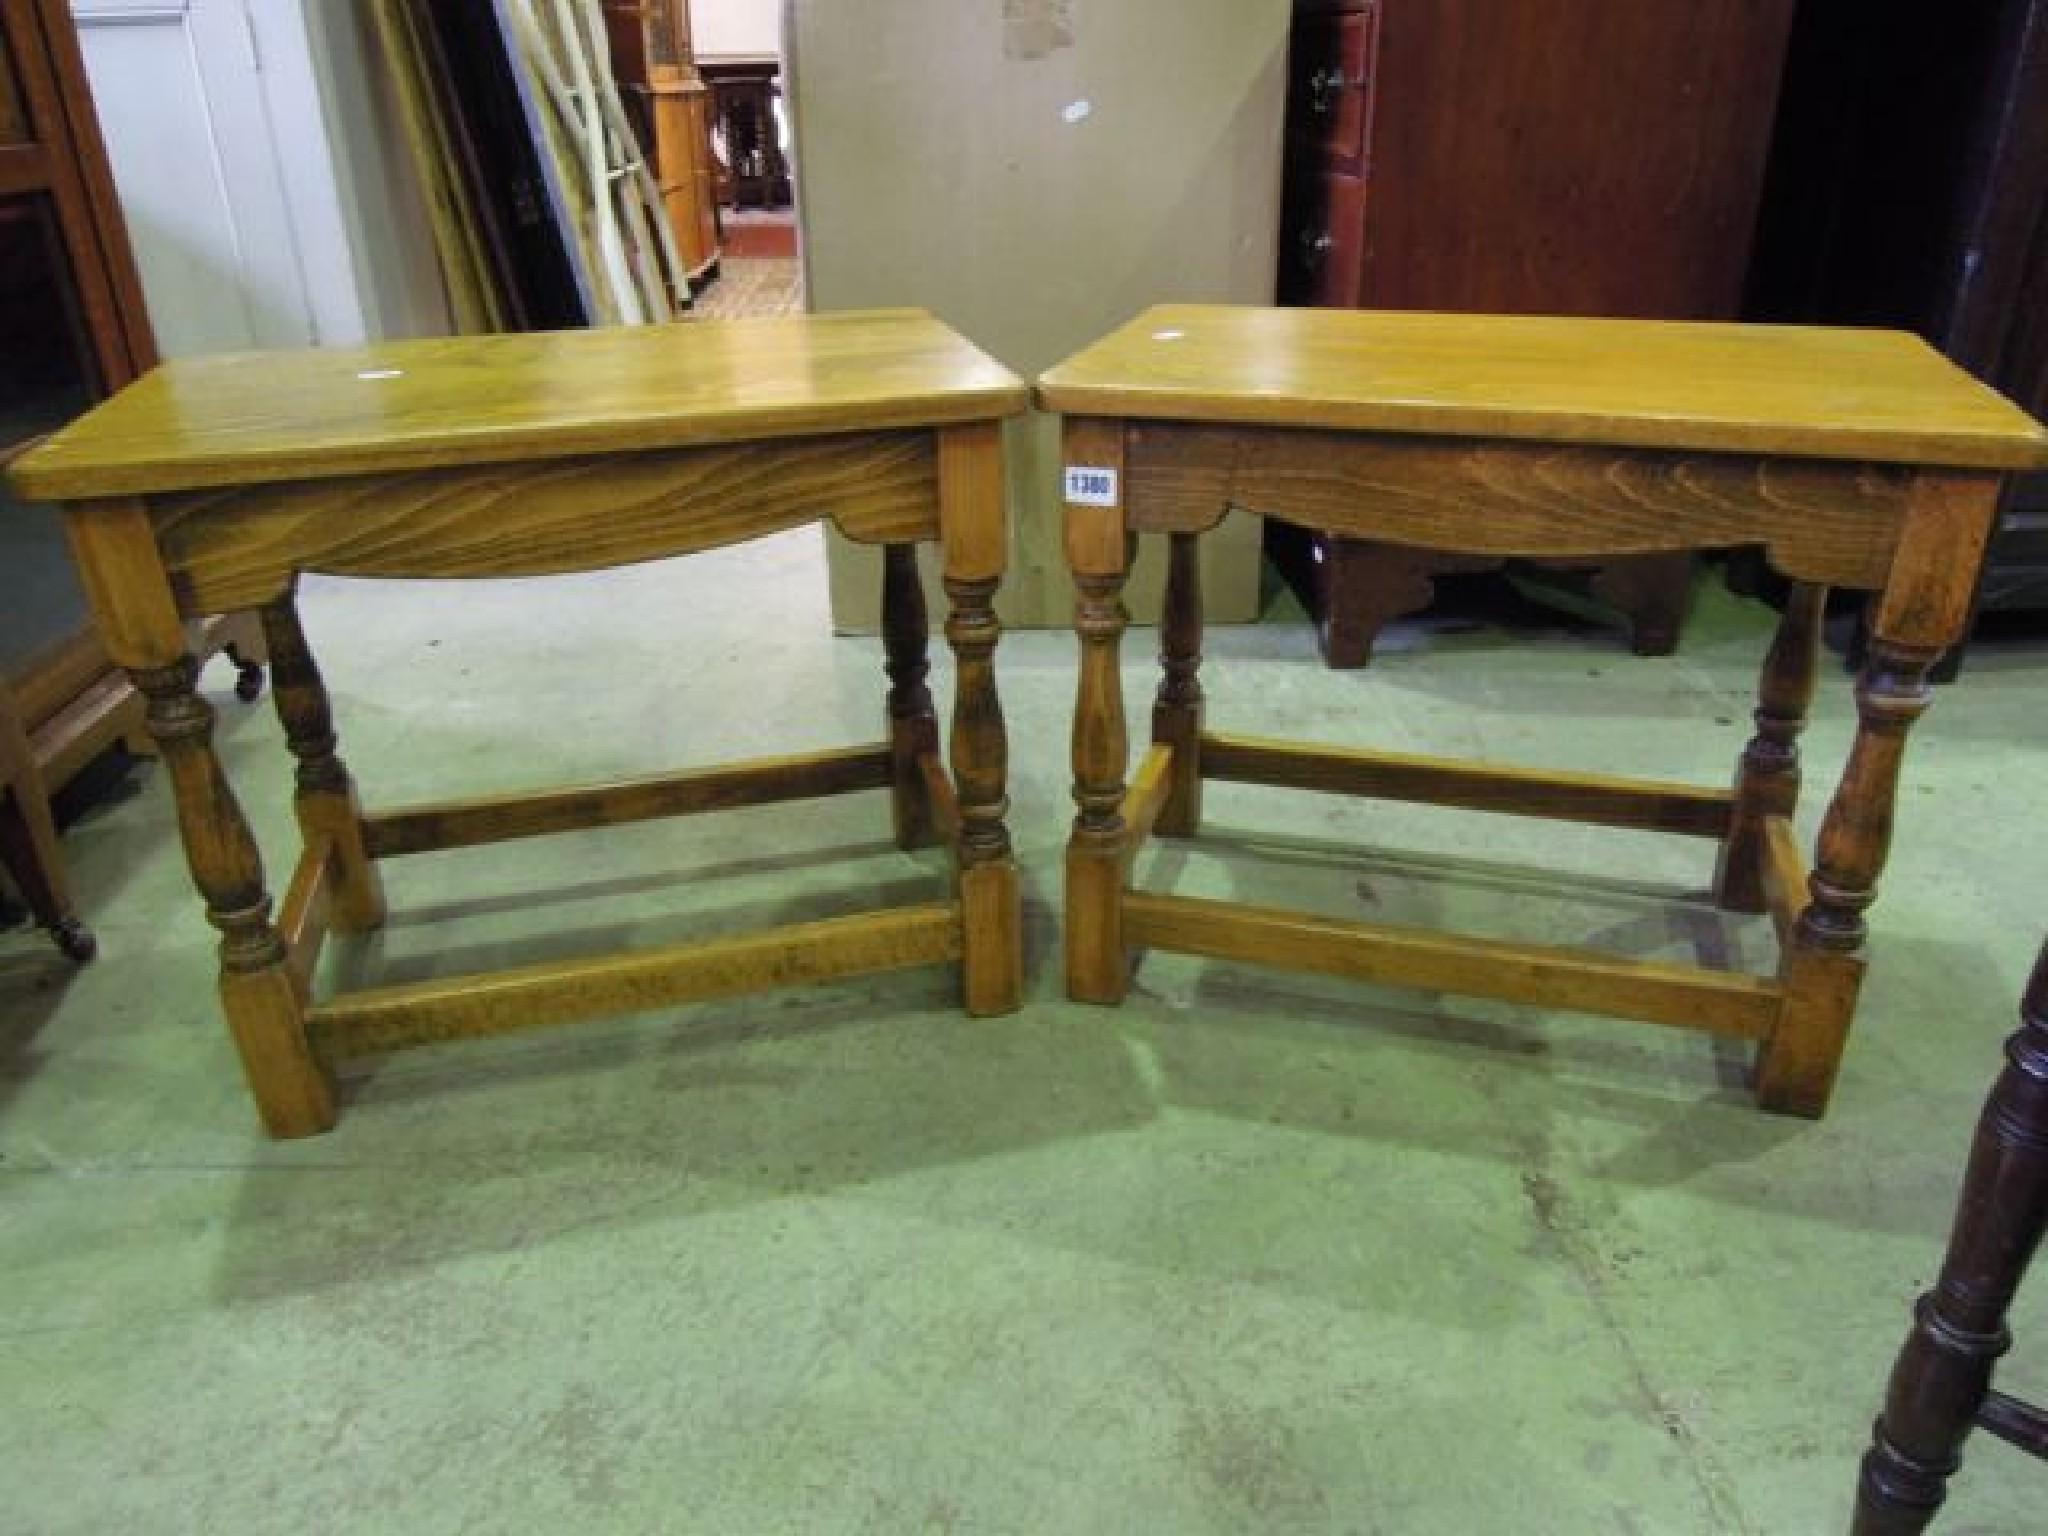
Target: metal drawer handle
[(1324, 87)]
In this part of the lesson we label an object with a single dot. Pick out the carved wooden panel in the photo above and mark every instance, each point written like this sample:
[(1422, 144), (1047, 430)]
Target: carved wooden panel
[(1818, 522), (232, 549)]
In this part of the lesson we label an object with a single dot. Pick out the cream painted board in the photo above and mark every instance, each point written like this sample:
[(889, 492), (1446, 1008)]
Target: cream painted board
[(1036, 172)]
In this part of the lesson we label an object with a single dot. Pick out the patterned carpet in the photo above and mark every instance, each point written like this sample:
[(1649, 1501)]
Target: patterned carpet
[(753, 287)]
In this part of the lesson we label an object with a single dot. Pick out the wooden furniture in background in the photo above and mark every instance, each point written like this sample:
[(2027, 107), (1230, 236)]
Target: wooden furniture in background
[(212, 484), (1530, 437), (1909, 188), (1941, 1385), (28, 840), (670, 106), (72, 329), (746, 136), (1564, 157)]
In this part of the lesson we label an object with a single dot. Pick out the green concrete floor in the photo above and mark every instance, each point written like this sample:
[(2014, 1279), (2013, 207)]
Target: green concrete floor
[(1255, 1253)]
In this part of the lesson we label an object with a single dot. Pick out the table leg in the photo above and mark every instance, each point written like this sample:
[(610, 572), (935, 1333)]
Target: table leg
[(1177, 711), (1822, 968), (1767, 777), (1943, 1374), (325, 799), (913, 728), (265, 1009), (990, 916), (1097, 968)]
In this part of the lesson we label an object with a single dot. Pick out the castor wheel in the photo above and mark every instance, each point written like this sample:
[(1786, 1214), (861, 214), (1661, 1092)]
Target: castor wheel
[(248, 677), (75, 941)]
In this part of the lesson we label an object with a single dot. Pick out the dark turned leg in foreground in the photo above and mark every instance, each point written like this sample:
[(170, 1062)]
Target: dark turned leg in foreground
[(1941, 1384)]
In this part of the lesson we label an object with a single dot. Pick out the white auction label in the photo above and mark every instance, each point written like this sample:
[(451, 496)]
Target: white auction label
[(1091, 487)]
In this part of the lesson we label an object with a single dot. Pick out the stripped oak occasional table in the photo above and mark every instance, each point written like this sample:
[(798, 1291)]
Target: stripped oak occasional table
[(211, 484), (1859, 459)]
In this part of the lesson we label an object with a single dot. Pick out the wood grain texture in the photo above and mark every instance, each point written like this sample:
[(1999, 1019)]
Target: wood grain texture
[(1689, 998), (1512, 173), (1949, 519), (1146, 799), (114, 548), (465, 1007), (1783, 876), (1093, 536), (239, 548), (1878, 396), (302, 919), (1818, 522), (500, 818), (1601, 799), (973, 531), (252, 418)]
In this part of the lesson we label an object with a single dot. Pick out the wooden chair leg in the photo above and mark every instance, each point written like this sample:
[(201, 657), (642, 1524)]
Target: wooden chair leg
[(1943, 1375), (265, 1009), (1177, 711), (992, 920), (913, 727), (325, 799), (1822, 967), (1767, 776), (28, 842)]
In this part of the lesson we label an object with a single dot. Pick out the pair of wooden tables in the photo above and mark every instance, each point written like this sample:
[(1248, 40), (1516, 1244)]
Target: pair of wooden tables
[(1854, 458)]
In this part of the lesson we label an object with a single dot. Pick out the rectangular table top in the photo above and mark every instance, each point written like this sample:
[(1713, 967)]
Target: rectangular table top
[(316, 413), (1803, 391)]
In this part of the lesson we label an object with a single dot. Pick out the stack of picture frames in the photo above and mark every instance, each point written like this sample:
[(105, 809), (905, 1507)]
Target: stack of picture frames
[(545, 215)]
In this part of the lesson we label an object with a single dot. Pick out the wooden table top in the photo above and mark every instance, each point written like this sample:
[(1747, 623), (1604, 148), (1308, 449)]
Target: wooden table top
[(315, 413), (1796, 390)]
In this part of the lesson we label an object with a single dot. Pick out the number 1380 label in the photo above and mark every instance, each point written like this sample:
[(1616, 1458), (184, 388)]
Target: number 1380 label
[(1091, 487)]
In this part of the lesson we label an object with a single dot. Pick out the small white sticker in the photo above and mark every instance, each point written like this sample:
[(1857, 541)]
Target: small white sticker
[(382, 373), (1077, 111), (1091, 487)]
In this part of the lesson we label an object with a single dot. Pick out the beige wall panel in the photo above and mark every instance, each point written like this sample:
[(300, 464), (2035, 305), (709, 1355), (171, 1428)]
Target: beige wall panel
[(1035, 172)]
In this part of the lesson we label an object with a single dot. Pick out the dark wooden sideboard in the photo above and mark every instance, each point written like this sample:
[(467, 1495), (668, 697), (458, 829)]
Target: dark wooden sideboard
[(1574, 157)]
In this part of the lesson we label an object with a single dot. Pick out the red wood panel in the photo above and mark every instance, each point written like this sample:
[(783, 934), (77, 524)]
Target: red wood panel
[(1570, 156)]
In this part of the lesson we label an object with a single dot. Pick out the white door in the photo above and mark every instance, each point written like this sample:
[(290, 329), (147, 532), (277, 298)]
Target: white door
[(179, 89)]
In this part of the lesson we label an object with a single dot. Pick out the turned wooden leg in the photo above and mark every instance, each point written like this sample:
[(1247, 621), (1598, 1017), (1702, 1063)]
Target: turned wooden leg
[(974, 537), (1097, 967), (1767, 777), (266, 1010), (993, 921), (1177, 711), (913, 728), (325, 799), (1942, 1380), (1822, 968)]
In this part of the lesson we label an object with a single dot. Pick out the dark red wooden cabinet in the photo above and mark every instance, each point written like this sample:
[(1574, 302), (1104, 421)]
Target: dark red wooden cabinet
[(1519, 157)]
